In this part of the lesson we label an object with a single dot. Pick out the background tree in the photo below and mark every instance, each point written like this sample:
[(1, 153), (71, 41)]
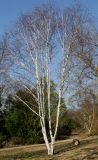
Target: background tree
[(24, 127), (86, 112)]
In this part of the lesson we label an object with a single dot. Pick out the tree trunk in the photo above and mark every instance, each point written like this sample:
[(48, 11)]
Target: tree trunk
[(51, 149)]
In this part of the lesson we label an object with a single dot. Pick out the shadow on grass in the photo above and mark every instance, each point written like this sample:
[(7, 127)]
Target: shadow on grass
[(71, 146), (64, 148), (91, 155), (22, 155)]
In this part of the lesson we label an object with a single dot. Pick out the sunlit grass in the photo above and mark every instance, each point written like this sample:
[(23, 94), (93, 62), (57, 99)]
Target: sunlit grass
[(88, 149)]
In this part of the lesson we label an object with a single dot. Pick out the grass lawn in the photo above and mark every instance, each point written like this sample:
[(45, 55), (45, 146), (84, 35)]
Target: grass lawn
[(64, 150)]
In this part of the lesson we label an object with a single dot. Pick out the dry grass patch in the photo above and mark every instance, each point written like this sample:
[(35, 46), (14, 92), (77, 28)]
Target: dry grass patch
[(64, 150)]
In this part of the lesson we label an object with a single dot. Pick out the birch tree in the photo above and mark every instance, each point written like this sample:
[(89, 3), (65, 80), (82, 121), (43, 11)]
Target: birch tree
[(41, 50), (31, 48)]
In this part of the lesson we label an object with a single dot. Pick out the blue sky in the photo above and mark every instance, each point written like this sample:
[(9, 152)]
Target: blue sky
[(10, 10)]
